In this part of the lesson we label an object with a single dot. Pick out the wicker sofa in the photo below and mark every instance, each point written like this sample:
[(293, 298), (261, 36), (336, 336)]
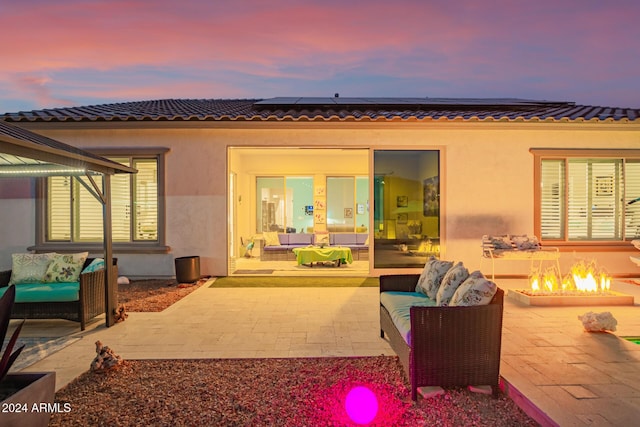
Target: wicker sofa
[(450, 346), (90, 302)]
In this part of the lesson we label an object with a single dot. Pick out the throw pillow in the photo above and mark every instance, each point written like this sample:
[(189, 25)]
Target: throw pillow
[(29, 268), (431, 277), (96, 264), (450, 283), (321, 239), (476, 290), (65, 267), (526, 243), (501, 242), (271, 238)]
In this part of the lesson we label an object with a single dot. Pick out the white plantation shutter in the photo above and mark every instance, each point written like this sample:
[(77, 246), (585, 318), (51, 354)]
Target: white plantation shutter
[(121, 204), (594, 199), (74, 214), (59, 208), (606, 187), (88, 212), (552, 199), (632, 192), (146, 200), (594, 206), (578, 204)]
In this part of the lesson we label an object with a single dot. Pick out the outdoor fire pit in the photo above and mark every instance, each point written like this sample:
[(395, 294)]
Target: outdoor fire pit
[(585, 285)]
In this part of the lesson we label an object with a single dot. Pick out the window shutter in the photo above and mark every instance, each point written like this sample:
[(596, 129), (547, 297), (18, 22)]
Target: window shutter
[(59, 208), (552, 199), (578, 210), (606, 181), (121, 207), (632, 192), (88, 218), (146, 200), (594, 208)]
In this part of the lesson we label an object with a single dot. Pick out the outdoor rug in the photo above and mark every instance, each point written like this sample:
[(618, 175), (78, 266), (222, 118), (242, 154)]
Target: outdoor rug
[(36, 349), (268, 392), (295, 282)]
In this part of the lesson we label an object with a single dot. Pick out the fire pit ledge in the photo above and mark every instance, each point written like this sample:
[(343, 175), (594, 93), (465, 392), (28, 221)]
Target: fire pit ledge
[(550, 299)]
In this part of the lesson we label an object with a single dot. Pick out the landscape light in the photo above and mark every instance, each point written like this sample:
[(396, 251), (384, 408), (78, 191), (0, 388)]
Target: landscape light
[(362, 405)]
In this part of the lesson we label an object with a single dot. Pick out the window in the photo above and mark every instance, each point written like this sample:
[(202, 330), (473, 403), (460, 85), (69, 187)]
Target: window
[(71, 215), (284, 204), (288, 203), (587, 195), (347, 199)]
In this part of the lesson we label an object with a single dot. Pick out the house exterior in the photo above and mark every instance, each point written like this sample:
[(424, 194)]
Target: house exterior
[(419, 176)]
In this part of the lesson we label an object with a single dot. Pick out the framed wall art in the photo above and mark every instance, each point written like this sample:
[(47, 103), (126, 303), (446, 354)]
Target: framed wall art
[(431, 204)]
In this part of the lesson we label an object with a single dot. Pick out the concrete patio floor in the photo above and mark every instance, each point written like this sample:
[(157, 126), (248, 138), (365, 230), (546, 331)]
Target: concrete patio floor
[(560, 374)]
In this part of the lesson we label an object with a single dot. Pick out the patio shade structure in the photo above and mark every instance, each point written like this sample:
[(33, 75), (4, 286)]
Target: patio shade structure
[(27, 154)]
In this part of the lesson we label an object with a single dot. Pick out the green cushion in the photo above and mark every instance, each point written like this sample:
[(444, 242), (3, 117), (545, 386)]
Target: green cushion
[(95, 265), (46, 292), (399, 304)]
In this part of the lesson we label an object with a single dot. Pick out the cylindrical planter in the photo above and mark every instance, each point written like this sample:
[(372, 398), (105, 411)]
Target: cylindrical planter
[(187, 269)]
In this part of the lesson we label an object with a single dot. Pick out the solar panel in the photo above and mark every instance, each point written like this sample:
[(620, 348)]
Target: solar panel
[(392, 102)]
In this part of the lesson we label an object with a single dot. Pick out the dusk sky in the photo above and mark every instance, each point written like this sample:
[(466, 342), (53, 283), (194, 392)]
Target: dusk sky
[(81, 52)]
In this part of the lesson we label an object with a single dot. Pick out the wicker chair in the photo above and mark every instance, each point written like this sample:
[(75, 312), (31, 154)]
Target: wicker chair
[(90, 304), (450, 346)]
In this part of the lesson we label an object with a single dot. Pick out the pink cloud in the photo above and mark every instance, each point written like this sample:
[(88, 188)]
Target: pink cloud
[(314, 41), (38, 88), (116, 34), (159, 90)]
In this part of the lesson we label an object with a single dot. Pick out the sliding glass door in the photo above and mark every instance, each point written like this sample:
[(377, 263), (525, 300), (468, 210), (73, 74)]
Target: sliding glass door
[(406, 212)]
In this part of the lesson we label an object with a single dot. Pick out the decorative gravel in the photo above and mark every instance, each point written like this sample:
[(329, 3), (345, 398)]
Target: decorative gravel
[(267, 392), (152, 295)]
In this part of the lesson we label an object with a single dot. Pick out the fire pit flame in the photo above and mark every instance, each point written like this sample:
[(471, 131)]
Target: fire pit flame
[(535, 284), (584, 277), (586, 284)]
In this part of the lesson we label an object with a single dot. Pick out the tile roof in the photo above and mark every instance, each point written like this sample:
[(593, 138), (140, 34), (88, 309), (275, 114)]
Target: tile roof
[(331, 109)]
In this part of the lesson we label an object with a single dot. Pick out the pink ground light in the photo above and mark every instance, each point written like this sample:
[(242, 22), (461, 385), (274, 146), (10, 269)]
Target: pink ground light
[(361, 405)]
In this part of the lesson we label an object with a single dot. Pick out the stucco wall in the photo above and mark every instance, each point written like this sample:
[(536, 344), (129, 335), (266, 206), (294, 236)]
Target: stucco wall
[(486, 178), (17, 217)]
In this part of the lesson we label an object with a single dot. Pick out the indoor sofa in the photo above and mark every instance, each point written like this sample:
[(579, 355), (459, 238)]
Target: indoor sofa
[(357, 242), (441, 345), (282, 248)]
